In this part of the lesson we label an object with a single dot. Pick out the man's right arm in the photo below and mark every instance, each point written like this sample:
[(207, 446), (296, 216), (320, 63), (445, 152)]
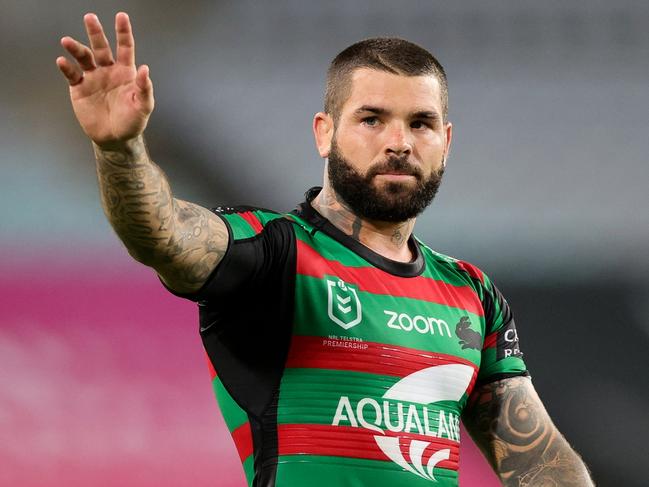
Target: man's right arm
[(113, 100), (510, 425), (182, 241)]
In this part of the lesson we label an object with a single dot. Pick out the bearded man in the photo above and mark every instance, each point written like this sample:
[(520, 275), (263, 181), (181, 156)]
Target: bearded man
[(343, 350)]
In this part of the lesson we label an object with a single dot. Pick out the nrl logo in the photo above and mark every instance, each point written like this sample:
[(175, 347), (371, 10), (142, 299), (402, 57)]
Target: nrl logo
[(343, 305)]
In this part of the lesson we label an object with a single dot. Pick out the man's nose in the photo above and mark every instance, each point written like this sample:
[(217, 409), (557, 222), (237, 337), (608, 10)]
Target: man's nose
[(399, 142)]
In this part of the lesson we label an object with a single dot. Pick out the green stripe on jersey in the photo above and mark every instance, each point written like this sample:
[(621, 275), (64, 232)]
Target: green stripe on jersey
[(233, 415), (241, 229), (331, 249), (442, 268), (321, 471), (249, 469), (401, 321), (507, 365), (266, 216), (315, 396)]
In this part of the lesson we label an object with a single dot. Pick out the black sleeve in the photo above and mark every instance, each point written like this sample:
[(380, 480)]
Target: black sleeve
[(245, 312)]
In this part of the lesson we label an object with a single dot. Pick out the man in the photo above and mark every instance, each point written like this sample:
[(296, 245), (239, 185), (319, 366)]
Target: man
[(344, 351)]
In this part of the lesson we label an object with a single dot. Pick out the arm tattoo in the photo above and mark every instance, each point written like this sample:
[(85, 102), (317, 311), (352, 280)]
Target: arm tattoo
[(182, 241), (510, 425)]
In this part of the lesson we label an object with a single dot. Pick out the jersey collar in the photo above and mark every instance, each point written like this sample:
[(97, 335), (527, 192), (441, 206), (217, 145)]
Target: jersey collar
[(403, 269)]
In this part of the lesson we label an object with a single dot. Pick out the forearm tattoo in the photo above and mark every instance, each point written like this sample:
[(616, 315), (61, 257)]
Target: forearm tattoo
[(512, 428), (182, 241)]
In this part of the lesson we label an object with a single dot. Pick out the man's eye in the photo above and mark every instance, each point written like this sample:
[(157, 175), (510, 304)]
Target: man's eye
[(418, 124), (371, 121)]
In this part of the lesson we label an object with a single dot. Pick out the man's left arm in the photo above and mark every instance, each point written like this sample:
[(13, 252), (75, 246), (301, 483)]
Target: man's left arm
[(509, 423)]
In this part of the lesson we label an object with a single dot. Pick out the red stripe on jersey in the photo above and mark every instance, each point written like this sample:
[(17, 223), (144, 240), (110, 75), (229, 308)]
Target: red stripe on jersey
[(252, 220), (472, 270), (490, 341), (376, 281), (210, 367), (370, 357), (350, 442), (242, 437)]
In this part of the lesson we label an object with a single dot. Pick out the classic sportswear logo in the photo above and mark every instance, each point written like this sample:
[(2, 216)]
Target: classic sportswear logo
[(343, 305), (405, 409)]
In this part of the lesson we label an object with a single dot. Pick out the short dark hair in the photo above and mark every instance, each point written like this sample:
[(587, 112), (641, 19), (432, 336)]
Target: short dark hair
[(390, 54)]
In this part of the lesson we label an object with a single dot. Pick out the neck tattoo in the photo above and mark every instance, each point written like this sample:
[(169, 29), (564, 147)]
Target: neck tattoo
[(397, 237)]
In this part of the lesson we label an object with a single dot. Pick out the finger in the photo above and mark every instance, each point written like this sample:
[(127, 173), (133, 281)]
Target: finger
[(71, 71), (98, 42), (81, 53), (125, 41)]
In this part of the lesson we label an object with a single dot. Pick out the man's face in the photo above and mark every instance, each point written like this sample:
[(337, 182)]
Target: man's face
[(389, 145)]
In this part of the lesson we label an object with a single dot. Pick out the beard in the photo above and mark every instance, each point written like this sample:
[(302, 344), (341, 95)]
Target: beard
[(395, 201)]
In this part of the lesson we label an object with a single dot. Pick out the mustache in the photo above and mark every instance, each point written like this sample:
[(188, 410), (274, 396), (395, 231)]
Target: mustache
[(394, 164)]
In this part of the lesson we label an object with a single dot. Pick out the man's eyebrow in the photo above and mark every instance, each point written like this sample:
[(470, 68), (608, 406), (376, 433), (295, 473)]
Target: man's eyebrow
[(372, 109), (426, 114)]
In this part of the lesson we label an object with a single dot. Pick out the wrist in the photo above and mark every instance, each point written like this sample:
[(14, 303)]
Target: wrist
[(134, 147), (118, 145), (122, 152)]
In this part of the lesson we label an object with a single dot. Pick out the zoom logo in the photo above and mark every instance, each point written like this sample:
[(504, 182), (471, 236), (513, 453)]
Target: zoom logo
[(426, 325)]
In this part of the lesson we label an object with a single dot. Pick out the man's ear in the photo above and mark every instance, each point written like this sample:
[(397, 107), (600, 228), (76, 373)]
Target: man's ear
[(323, 131), (449, 136)]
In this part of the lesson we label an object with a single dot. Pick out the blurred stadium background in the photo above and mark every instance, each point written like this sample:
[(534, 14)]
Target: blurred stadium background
[(102, 377)]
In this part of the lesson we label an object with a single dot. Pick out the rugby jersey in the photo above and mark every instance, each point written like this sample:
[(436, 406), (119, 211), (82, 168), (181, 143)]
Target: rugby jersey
[(334, 365)]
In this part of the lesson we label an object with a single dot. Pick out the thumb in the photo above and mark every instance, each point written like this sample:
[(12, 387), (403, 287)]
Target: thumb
[(144, 93)]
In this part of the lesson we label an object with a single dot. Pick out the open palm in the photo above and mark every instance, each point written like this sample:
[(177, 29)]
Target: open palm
[(111, 98)]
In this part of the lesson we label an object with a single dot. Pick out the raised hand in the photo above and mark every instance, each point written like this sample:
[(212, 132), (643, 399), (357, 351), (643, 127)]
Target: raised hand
[(111, 98)]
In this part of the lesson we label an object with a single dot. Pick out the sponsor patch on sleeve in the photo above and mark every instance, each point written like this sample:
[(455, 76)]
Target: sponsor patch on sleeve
[(507, 342)]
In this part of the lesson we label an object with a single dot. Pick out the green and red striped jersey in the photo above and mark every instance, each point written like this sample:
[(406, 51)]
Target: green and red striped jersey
[(333, 365)]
